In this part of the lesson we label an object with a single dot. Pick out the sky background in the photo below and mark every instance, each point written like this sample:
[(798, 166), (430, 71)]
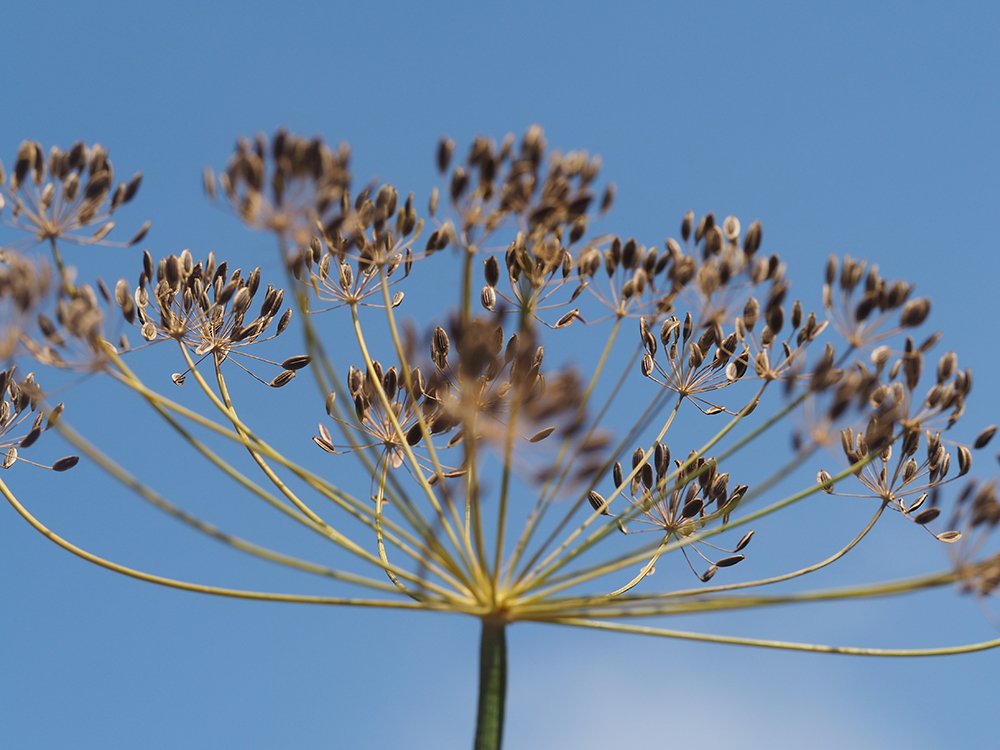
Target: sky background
[(859, 128)]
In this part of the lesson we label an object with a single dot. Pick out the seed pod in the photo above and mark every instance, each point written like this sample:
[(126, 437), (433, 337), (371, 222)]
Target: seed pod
[(446, 147), (964, 460), (492, 271), (459, 182), (692, 507), (488, 298), (541, 435), (296, 363), (984, 437), (914, 312), (598, 503), (65, 463), (752, 239), (926, 516), (823, 478), (686, 225), (568, 318), (742, 543), (283, 378), (647, 365), (726, 562)]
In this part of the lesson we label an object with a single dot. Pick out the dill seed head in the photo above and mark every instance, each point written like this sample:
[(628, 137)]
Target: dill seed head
[(67, 195)]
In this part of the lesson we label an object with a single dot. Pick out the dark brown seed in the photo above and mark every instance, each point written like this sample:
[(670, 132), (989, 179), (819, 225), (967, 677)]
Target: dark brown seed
[(964, 460), (743, 542), (283, 378), (296, 363), (726, 562), (926, 516), (541, 435), (692, 508), (66, 462), (984, 437), (446, 147), (598, 503), (141, 234), (914, 312), (30, 438), (324, 444)]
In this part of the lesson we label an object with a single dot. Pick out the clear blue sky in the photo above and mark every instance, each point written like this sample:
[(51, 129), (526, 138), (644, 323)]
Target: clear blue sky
[(859, 128)]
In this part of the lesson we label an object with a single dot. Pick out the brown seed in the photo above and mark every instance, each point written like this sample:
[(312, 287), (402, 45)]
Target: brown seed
[(65, 463), (446, 147), (283, 378), (926, 516), (541, 435), (914, 312), (964, 460), (744, 541), (726, 562), (692, 507), (296, 363), (984, 437), (598, 503)]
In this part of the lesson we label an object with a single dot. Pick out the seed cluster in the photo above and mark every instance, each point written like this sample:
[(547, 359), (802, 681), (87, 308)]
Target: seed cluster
[(19, 399), (204, 306), (460, 418), (66, 193)]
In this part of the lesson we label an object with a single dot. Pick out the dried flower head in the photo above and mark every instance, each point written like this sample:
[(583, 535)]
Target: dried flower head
[(204, 307), (19, 400), (286, 185), (67, 193)]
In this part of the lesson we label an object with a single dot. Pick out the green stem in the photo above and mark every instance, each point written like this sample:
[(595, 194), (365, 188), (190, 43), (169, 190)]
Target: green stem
[(492, 685)]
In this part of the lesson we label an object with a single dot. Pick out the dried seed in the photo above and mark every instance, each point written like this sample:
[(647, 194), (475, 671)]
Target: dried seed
[(984, 437), (488, 298), (598, 503), (283, 378), (692, 507), (964, 460), (541, 435), (65, 463), (296, 363), (726, 562), (915, 312), (744, 541)]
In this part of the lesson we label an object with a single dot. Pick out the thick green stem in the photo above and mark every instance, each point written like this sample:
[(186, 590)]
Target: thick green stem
[(492, 685)]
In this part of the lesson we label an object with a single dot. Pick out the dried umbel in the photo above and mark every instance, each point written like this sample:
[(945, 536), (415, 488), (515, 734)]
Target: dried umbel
[(285, 185), (513, 456), (66, 195), (19, 400), (24, 287), (205, 307)]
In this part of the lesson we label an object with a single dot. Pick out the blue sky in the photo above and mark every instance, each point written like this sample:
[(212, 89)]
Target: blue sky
[(851, 128)]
